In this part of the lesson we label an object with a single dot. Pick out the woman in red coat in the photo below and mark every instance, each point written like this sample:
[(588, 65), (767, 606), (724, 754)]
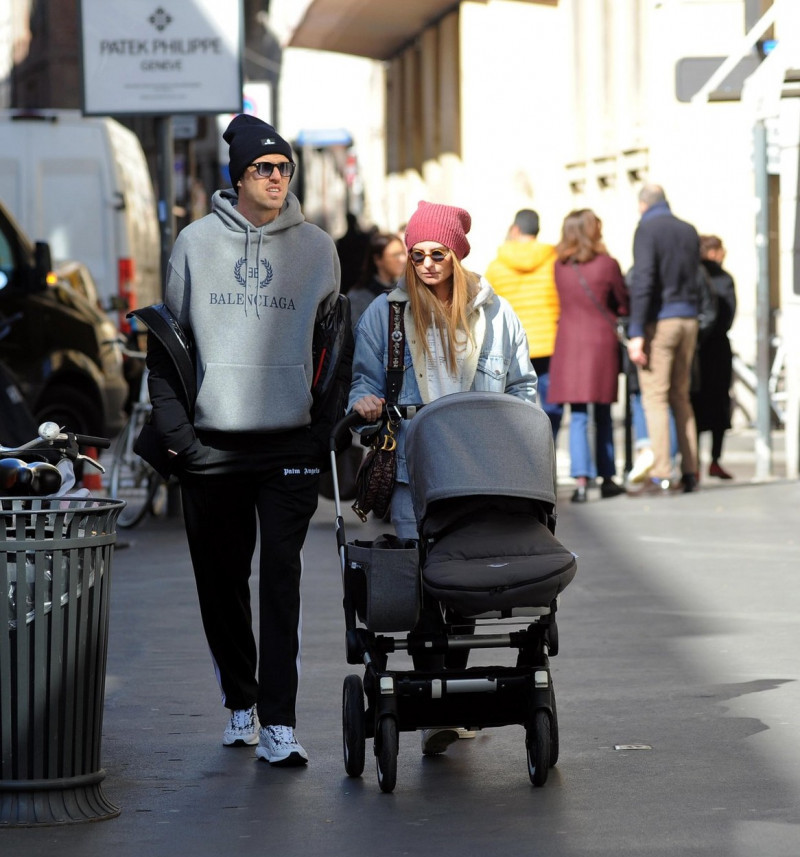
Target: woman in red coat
[(585, 365)]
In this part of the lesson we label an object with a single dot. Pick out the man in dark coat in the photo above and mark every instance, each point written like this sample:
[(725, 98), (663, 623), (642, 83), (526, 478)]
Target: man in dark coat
[(663, 333)]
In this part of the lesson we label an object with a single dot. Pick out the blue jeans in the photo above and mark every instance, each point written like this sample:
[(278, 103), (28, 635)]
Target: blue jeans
[(402, 512), (582, 462), (640, 426)]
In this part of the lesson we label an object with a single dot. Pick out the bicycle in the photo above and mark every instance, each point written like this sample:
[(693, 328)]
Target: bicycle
[(44, 466), (746, 376), (130, 478)]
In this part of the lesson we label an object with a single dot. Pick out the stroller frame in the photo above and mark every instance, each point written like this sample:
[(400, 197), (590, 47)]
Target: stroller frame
[(473, 697)]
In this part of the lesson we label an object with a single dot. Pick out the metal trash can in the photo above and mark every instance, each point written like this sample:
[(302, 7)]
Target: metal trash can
[(55, 573)]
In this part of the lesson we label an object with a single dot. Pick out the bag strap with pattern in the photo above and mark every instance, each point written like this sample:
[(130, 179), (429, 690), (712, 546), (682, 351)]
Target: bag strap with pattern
[(397, 348)]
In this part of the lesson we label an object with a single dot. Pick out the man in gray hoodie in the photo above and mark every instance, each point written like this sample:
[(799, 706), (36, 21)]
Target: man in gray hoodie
[(247, 283)]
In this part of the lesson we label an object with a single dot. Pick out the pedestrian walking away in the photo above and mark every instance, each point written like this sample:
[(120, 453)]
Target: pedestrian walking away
[(664, 298), (711, 400), (459, 336), (585, 367), (351, 249), (522, 273), (246, 285)]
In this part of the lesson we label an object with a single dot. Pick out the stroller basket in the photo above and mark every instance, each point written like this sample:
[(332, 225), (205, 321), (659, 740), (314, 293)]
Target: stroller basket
[(382, 577)]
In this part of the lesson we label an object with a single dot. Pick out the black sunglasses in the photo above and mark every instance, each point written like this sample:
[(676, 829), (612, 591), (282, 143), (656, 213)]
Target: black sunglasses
[(265, 169), (438, 256)]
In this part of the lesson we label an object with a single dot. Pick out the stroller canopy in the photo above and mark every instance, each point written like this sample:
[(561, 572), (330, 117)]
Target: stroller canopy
[(468, 444)]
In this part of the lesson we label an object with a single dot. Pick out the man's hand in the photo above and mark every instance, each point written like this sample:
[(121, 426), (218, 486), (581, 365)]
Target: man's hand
[(636, 351)]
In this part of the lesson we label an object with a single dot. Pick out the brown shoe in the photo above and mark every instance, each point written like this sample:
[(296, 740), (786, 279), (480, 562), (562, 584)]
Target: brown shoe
[(652, 488), (714, 469)]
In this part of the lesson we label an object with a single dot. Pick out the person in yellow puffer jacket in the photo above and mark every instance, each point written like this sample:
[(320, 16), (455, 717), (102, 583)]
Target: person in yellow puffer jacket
[(522, 273)]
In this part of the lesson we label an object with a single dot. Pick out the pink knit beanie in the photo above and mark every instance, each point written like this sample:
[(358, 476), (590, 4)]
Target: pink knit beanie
[(446, 224)]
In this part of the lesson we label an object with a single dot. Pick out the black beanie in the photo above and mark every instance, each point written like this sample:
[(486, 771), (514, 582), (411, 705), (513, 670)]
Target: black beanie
[(249, 138)]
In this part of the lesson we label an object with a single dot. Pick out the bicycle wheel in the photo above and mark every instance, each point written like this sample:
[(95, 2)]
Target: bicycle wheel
[(131, 479)]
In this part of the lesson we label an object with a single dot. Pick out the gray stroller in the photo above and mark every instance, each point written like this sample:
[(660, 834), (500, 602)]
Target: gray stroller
[(486, 573)]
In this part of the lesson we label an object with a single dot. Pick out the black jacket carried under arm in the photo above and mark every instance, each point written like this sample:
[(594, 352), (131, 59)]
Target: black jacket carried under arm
[(172, 384)]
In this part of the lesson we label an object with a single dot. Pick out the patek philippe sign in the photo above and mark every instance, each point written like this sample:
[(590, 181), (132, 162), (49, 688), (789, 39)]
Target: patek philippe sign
[(147, 57)]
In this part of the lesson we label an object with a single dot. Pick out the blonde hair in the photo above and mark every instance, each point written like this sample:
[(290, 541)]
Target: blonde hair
[(425, 305)]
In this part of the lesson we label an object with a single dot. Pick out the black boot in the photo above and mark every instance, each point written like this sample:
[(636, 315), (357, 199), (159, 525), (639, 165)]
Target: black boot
[(609, 488), (579, 494)]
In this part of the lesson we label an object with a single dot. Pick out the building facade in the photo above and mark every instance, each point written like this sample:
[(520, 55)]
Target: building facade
[(497, 105)]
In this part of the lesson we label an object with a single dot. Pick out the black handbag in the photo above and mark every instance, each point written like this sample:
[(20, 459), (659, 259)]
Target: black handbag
[(376, 475)]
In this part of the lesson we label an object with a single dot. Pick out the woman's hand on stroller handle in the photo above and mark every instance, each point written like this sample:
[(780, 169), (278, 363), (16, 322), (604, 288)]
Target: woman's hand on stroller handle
[(355, 420), (370, 407)]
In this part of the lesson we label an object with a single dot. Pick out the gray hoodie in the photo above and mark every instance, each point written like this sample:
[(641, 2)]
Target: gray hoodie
[(250, 296)]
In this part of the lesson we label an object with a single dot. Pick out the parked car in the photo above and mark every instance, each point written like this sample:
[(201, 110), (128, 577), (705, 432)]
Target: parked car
[(78, 277), (82, 184), (57, 342)]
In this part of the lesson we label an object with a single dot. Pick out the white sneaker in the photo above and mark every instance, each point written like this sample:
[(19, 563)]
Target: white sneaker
[(242, 729), (642, 466), (435, 741), (278, 746)]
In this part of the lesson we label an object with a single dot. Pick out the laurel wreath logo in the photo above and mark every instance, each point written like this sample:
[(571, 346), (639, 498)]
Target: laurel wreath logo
[(237, 271), (268, 273), (268, 277)]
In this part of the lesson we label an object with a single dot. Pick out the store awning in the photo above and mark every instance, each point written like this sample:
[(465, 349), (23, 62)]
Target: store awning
[(377, 29)]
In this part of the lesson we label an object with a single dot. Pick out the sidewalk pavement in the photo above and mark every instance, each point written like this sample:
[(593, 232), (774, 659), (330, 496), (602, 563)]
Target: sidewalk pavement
[(738, 454), (710, 568)]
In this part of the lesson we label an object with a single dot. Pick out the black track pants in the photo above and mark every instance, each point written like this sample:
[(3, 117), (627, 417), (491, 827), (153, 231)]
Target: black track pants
[(223, 516)]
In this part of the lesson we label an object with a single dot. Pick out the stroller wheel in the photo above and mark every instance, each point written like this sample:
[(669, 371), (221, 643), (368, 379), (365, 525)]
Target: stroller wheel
[(353, 725), (552, 639), (537, 743), (386, 748), (553, 731)]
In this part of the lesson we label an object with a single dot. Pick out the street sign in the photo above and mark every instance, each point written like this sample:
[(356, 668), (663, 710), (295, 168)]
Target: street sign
[(145, 58)]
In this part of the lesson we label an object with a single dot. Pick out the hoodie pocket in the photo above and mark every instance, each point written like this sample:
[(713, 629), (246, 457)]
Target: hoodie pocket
[(239, 397)]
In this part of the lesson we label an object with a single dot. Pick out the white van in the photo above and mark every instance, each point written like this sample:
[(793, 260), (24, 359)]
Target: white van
[(82, 184)]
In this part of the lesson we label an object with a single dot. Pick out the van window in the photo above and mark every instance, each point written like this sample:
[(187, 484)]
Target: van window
[(73, 226)]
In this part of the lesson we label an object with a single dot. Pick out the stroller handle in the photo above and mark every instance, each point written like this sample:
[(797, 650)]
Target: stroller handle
[(340, 431), (355, 420)]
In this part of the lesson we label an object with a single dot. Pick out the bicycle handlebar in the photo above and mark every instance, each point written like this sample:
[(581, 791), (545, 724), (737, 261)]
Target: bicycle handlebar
[(54, 444), (91, 440)]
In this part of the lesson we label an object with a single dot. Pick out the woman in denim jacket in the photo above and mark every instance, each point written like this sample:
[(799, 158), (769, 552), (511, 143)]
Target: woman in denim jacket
[(459, 334)]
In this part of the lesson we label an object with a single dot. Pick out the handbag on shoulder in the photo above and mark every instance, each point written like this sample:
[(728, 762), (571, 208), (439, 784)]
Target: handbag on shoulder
[(376, 475)]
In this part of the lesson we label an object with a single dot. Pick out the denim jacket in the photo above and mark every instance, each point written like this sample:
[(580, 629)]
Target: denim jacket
[(502, 365)]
